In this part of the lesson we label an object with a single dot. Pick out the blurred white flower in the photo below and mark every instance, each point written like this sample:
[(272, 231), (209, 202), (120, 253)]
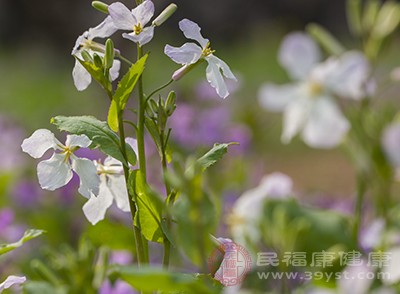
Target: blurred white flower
[(112, 188), (57, 171), (248, 208), (134, 21), (190, 53), (308, 104), (82, 78), (11, 281)]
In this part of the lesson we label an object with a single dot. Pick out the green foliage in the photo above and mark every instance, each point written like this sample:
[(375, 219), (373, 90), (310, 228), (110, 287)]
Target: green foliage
[(28, 235), (327, 41), (214, 155), (148, 216), (128, 82), (67, 270), (101, 135), (195, 212), (97, 72), (156, 279), (124, 91)]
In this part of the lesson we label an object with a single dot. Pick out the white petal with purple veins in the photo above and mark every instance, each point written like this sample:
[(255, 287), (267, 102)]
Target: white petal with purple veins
[(187, 54), (117, 185), (39, 142), (96, 207), (77, 141), (54, 172), (144, 12), (122, 16), (10, 281), (82, 78), (143, 38), (105, 29), (87, 172), (191, 30)]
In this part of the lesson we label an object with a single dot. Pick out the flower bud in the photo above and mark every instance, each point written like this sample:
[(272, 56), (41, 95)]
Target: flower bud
[(109, 56), (170, 103), (100, 6), (178, 74), (86, 56), (165, 14), (97, 61)]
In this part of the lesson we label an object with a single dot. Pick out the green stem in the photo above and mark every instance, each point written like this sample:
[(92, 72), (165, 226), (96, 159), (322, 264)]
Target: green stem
[(159, 89), (167, 243), (140, 136), (138, 235), (361, 190)]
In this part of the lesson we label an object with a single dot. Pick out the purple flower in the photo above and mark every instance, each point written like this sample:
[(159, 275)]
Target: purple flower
[(26, 193), (10, 137), (119, 287)]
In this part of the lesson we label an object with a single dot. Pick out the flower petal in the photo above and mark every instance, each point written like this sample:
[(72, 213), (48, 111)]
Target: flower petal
[(117, 185), (391, 143), (122, 16), (79, 42), (326, 125), (77, 141), (87, 172), (215, 78), (294, 118), (54, 172), (105, 29), (39, 142), (191, 30), (10, 281), (346, 76), (82, 78), (144, 12), (226, 71), (187, 54), (96, 207), (277, 97), (114, 70), (298, 55), (143, 38)]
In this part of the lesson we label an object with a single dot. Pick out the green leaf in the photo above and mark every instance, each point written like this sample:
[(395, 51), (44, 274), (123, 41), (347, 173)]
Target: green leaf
[(97, 73), (112, 117), (354, 16), (157, 279), (214, 155), (98, 131), (387, 20), (128, 82), (148, 217), (28, 235)]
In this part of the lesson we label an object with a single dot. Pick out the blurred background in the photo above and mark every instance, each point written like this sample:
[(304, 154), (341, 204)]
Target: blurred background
[(36, 39)]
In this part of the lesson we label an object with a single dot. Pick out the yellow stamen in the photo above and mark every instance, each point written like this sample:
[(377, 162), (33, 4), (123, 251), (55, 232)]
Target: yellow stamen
[(137, 29), (315, 89), (207, 51)]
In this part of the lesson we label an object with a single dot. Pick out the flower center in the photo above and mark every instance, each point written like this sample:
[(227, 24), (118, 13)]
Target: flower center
[(67, 151), (314, 88), (137, 29), (207, 50)]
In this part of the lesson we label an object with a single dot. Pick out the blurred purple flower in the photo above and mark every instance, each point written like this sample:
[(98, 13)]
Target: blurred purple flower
[(11, 137), (122, 257), (9, 232), (119, 287), (26, 193)]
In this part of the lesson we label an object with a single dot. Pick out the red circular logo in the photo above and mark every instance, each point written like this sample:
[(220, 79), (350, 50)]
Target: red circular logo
[(230, 263)]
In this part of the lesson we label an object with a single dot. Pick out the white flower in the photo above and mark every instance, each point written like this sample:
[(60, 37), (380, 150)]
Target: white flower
[(57, 171), (112, 187), (134, 21), (190, 53), (10, 281), (248, 208), (82, 78), (308, 104)]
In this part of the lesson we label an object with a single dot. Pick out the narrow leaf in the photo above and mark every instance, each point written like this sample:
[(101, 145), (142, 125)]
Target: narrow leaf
[(28, 235), (112, 117), (148, 217), (214, 155), (128, 82), (325, 39)]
